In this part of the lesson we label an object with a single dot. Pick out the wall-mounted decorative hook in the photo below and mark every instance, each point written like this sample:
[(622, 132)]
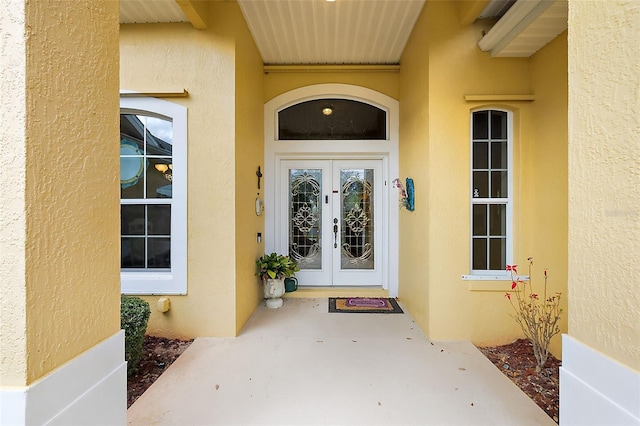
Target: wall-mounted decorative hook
[(259, 174), (410, 202), (407, 199)]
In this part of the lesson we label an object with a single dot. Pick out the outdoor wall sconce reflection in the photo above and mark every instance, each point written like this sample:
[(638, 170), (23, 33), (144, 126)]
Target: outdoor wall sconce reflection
[(166, 170), (407, 199)]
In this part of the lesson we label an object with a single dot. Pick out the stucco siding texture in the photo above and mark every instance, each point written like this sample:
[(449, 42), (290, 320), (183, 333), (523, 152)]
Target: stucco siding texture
[(204, 63), (440, 65), (63, 276), (13, 362), (604, 177)]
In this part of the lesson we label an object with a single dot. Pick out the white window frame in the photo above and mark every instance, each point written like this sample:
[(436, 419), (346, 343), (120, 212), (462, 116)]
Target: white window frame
[(174, 281), (489, 274)]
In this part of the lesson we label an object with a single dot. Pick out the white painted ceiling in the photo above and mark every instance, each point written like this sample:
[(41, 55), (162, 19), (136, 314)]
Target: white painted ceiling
[(547, 26), (150, 12), (361, 31), (526, 27), (339, 32)]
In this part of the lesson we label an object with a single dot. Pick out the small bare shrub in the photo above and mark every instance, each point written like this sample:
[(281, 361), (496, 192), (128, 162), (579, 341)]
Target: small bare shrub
[(537, 315)]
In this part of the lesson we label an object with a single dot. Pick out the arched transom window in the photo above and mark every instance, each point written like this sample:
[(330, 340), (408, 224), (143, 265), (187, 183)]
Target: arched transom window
[(332, 119)]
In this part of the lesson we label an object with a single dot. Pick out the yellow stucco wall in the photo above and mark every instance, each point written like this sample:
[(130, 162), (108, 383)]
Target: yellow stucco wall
[(604, 176), (13, 331), (278, 83), (60, 268), (249, 155), (442, 64), (221, 70), (414, 155), (543, 161)]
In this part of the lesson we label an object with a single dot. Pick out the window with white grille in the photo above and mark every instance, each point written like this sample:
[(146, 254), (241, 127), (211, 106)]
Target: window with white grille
[(153, 183), (491, 191)]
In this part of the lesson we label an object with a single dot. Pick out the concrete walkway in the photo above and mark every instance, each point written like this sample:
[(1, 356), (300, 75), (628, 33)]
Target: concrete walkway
[(300, 365)]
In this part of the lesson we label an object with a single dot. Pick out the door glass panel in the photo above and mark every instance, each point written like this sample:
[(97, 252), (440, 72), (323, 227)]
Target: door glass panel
[(356, 209), (305, 211), (332, 119)]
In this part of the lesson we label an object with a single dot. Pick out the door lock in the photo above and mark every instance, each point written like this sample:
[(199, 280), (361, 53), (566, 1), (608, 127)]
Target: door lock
[(335, 232)]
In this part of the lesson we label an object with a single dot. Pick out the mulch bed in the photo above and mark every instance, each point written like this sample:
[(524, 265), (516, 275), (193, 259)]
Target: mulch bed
[(517, 362), (158, 353)]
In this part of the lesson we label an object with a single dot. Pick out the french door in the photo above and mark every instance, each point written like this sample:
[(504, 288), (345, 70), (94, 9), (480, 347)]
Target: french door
[(330, 220)]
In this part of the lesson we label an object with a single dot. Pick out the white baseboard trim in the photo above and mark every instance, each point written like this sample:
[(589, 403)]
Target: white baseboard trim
[(595, 389), (91, 389)]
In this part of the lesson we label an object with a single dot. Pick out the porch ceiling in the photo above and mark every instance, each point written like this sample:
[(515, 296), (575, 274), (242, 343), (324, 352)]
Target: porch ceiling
[(150, 12), (324, 32), (357, 31)]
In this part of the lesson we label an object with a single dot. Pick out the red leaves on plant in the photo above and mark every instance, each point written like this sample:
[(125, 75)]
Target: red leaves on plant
[(536, 319)]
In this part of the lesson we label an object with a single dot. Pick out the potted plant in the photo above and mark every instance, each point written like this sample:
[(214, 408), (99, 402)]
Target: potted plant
[(273, 269)]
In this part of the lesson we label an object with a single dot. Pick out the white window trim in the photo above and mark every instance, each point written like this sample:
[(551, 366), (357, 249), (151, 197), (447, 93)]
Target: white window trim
[(476, 274), (489, 276), (174, 281)]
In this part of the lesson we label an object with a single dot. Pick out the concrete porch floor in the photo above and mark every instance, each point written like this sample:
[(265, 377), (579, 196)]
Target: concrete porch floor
[(300, 365)]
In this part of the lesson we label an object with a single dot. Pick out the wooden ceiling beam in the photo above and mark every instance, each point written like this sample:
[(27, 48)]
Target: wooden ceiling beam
[(468, 10), (196, 11)]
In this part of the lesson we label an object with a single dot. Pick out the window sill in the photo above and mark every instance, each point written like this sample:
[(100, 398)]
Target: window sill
[(488, 277), (151, 283), (491, 282)]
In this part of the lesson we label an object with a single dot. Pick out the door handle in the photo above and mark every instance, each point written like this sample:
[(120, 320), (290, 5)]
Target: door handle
[(335, 232)]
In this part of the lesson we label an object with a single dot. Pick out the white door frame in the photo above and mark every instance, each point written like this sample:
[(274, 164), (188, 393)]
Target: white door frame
[(385, 150)]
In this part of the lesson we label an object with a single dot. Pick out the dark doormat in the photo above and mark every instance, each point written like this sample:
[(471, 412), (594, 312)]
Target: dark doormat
[(364, 305)]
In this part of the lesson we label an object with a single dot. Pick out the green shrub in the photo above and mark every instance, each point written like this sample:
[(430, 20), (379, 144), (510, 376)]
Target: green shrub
[(134, 316)]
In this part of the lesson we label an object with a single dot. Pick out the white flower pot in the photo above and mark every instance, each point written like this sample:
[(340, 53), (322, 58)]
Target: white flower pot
[(273, 291)]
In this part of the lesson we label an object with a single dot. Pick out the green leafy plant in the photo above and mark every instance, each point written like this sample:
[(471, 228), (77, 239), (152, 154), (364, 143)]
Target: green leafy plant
[(134, 316), (537, 315), (275, 265)]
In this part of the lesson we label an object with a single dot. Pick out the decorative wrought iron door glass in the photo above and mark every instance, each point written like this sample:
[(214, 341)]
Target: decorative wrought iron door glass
[(305, 212), (356, 202)]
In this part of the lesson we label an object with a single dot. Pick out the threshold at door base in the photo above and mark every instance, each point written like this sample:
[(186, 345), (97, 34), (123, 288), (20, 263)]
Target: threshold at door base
[(320, 292)]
